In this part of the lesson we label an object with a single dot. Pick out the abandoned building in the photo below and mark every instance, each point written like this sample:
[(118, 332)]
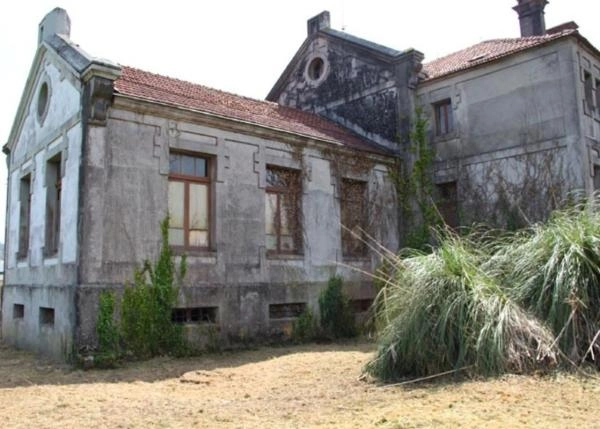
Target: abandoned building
[(257, 191)]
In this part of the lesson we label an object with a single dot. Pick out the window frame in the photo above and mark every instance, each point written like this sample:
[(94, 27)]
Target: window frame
[(52, 232), (344, 201), (187, 180), (279, 191), (443, 107), (588, 92)]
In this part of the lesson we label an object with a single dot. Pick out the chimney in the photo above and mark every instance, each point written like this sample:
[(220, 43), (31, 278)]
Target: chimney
[(318, 23), (531, 17), (55, 22)]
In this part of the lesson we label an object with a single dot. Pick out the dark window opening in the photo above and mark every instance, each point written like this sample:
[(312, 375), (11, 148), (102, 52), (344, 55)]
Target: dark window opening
[(596, 177), (361, 305), (316, 68), (447, 203), (42, 102), (588, 91), (24, 215), (287, 310), (283, 211), (444, 120), (598, 94), (195, 315), (46, 316), (53, 198), (354, 217), (189, 201), (18, 311)]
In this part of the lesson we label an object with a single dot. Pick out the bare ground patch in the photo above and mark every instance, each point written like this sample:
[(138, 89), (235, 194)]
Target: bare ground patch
[(279, 387)]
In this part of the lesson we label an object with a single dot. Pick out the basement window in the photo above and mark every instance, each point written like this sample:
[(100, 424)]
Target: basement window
[(18, 311), (286, 310), (195, 315), (46, 316)]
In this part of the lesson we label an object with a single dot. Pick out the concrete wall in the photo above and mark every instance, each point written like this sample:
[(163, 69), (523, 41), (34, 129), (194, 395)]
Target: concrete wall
[(129, 164), (40, 279), (516, 149), (360, 88)]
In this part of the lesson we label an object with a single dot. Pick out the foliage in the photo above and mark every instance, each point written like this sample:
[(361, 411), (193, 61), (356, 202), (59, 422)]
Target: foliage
[(146, 309), (108, 332), (414, 187), (441, 312), (304, 327), (337, 319)]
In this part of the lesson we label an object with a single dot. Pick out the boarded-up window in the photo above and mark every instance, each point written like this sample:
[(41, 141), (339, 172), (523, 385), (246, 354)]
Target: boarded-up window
[(354, 217), (444, 120), (24, 215), (53, 197), (447, 203), (189, 201), (283, 230)]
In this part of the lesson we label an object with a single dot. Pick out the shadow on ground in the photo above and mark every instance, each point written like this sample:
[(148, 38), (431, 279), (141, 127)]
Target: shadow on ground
[(19, 368)]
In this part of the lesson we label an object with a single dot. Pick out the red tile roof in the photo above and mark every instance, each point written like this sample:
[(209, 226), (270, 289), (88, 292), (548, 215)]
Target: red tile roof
[(154, 87), (486, 52)]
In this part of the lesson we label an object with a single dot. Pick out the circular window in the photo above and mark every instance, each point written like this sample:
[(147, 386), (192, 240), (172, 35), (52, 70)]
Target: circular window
[(42, 101), (316, 68)]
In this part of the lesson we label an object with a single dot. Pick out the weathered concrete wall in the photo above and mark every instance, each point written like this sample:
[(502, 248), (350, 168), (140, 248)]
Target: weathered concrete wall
[(40, 279), (359, 87), (130, 162), (516, 148)]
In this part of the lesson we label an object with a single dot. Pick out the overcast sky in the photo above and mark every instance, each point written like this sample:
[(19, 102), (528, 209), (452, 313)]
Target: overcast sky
[(242, 46)]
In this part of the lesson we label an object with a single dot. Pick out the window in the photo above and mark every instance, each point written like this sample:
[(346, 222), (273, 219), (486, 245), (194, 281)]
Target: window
[(53, 196), (24, 214), (448, 203), (18, 311), (287, 310), (444, 122), (189, 196), (42, 102), (596, 177), (354, 217), (361, 305), (588, 92), (46, 316), (283, 211), (598, 94), (195, 315)]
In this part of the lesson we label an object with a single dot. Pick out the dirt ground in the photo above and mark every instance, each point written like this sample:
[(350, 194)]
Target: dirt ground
[(279, 387)]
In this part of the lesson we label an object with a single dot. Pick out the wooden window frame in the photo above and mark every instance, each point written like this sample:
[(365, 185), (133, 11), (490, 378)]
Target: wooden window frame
[(444, 117), (344, 201), (187, 180), (279, 191)]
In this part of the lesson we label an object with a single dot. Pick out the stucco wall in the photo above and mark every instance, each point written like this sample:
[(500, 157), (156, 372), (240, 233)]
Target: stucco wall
[(516, 145), (128, 177), (42, 280)]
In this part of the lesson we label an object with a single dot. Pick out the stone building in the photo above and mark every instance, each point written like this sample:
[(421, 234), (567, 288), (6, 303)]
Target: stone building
[(257, 191)]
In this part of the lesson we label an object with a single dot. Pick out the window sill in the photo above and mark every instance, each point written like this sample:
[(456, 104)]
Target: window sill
[(445, 137), (285, 256), (205, 253)]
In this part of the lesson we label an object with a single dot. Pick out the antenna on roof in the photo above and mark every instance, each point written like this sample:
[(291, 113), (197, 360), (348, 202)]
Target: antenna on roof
[(343, 17)]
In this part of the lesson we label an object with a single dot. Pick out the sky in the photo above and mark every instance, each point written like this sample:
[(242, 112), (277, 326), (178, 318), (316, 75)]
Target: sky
[(242, 46)]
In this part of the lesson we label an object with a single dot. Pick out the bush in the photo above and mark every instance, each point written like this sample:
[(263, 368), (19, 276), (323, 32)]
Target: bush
[(337, 319), (147, 306), (304, 327), (108, 333)]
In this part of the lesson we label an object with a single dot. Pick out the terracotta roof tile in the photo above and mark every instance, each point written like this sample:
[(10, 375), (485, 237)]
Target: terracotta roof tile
[(485, 52), (153, 87)]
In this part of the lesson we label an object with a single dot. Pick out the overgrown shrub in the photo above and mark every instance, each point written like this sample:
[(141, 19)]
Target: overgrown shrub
[(304, 327), (337, 319), (146, 325), (441, 312), (108, 332)]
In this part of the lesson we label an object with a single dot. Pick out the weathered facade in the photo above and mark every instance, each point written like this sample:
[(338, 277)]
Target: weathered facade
[(257, 191)]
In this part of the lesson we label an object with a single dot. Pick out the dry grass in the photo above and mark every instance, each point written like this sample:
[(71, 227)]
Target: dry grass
[(302, 386)]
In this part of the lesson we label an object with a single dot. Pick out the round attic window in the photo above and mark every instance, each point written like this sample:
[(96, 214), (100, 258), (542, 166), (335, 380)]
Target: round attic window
[(316, 68), (42, 101)]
